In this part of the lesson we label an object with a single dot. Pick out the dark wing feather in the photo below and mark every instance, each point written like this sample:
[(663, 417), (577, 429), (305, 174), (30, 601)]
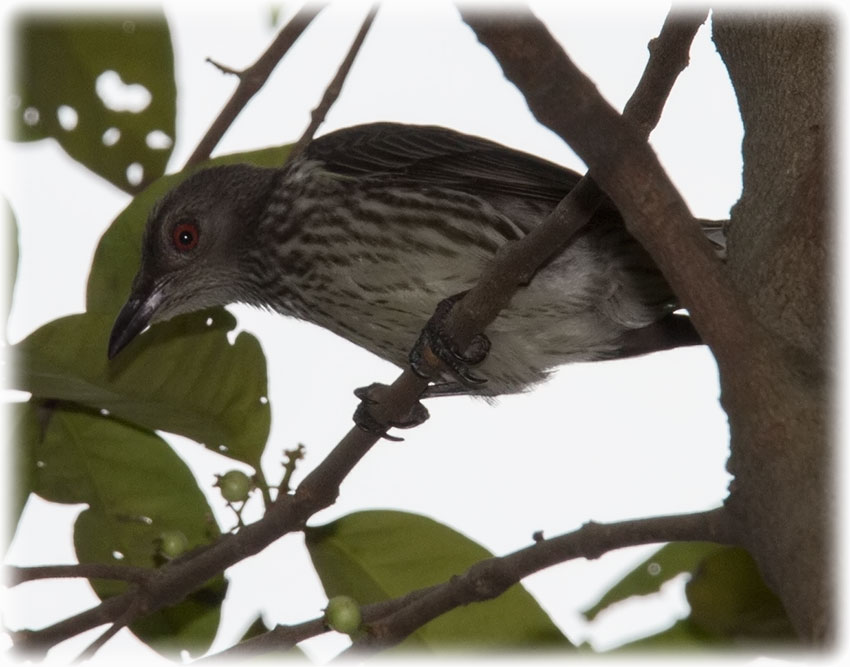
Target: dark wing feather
[(422, 154)]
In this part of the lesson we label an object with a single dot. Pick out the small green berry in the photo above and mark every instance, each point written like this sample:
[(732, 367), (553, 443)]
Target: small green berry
[(343, 614), (235, 486), (172, 543)]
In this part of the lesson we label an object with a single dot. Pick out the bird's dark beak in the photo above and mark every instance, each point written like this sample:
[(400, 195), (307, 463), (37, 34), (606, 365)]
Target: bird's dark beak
[(131, 321)]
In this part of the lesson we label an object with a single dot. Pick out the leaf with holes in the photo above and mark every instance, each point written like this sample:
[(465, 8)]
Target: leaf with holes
[(102, 86), (187, 378)]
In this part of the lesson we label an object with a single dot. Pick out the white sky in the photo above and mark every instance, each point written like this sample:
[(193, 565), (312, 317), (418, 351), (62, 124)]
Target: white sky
[(606, 441)]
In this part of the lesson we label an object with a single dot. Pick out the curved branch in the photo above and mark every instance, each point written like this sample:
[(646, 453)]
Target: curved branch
[(391, 621), (490, 578), (775, 393), (334, 88), (621, 161), (252, 79)]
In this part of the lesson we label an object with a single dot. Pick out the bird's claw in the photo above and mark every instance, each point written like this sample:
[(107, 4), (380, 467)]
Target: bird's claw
[(434, 338), (365, 420)]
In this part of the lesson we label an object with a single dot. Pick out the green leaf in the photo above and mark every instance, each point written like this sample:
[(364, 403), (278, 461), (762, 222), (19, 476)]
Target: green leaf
[(378, 555), (729, 599), (136, 487), (59, 64), (682, 635), (183, 376), (648, 577), (117, 256), (186, 378)]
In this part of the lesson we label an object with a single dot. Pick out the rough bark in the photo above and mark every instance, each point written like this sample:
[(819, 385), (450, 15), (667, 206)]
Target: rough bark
[(781, 67)]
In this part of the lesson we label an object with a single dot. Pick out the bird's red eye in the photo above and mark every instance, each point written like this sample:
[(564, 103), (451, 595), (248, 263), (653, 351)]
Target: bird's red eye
[(185, 236)]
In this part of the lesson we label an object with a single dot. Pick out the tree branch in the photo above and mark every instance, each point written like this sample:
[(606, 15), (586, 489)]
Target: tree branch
[(40, 641), (621, 161), (127, 617), (19, 575), (771, 390), (490, 578), (334, 88), (390, 621), (284, 637), (252, 79)]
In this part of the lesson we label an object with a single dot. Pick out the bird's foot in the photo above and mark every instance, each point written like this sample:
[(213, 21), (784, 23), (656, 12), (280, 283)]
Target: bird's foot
[(443, 350), (364, 419)]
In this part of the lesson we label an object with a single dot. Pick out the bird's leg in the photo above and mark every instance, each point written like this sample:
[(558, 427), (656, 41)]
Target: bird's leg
[(457, 361), (433, 338), (373, 395)]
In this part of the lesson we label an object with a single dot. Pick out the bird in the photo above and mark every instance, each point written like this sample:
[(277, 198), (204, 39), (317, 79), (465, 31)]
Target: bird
[(373, 226)]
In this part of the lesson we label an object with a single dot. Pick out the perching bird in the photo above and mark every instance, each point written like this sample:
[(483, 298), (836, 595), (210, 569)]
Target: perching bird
[(372, 226)]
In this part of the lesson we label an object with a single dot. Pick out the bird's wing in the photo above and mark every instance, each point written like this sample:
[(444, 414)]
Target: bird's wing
[(400, 154)]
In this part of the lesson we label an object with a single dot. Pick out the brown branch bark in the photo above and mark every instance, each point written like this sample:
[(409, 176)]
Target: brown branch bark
[(490, 578), (508, 35), (621, 162), (773, 389), (334, 88), (252, 79), (391, 621), (19, 575), (781, 66), (284, 637)]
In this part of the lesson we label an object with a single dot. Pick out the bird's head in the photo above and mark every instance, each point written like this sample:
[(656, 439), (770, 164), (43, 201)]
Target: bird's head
[(191, 247)]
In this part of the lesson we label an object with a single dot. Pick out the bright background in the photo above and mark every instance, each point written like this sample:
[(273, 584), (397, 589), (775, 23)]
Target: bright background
[(603, 442)]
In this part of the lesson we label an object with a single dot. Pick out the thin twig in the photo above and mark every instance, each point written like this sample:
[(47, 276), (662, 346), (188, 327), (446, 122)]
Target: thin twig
[(224, 69), (252, 79), (98, 643), (18, 575), (40, 641), (279, 638), (334, 88), (487, 579), (122, 622), (390, 621)]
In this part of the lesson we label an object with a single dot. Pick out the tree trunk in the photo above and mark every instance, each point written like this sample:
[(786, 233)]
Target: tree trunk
[(782, 498)]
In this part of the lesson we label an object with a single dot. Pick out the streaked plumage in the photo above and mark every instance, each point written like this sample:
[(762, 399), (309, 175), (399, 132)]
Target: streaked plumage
[(373, 225)]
